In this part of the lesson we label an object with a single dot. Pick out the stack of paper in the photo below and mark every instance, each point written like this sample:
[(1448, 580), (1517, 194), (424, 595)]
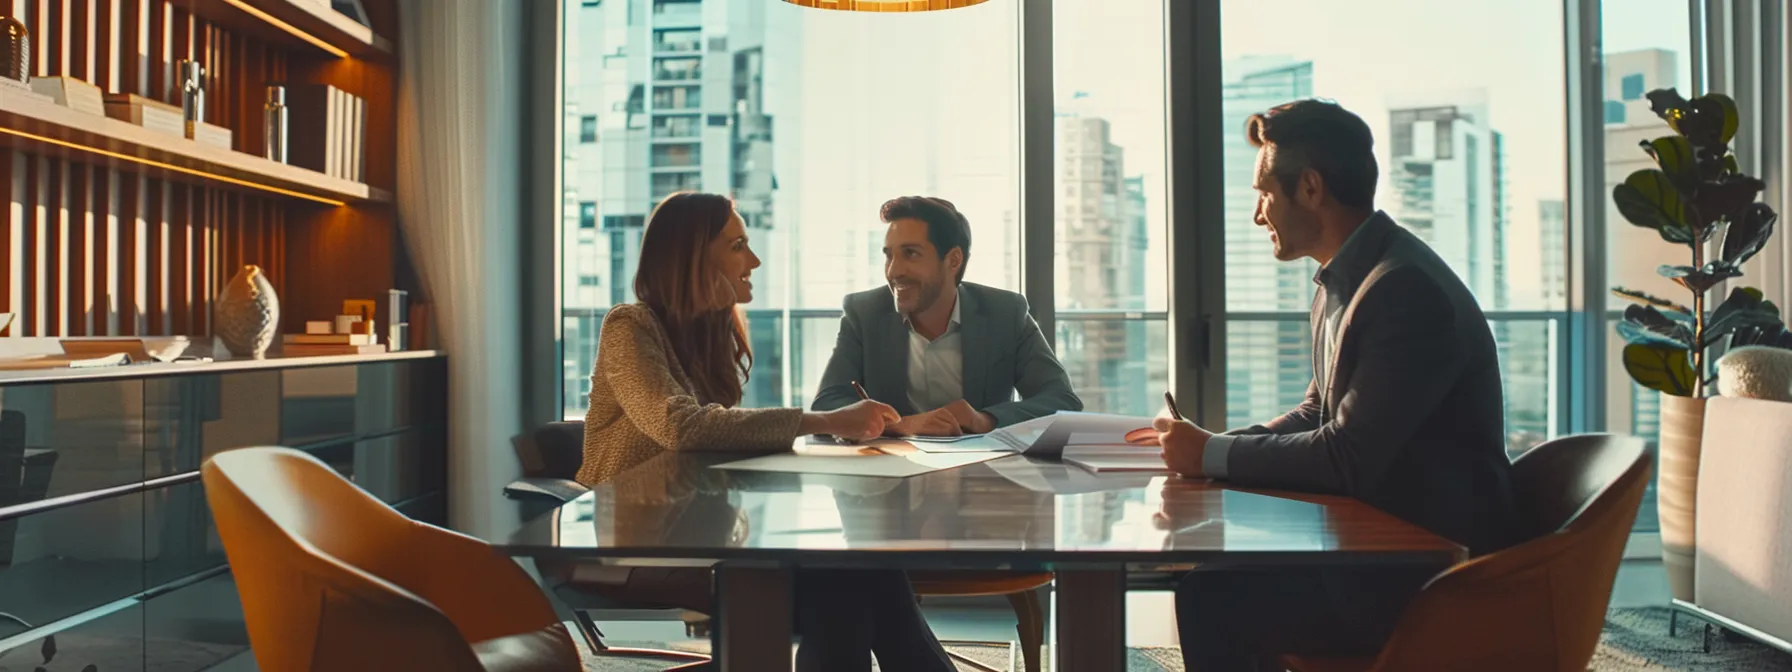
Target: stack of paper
[(1101, 459)]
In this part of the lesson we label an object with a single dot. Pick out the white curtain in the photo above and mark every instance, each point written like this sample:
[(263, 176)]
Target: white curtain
[(459, 199)]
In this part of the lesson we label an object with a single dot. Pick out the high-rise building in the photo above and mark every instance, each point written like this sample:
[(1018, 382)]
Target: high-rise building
[(1552, 234), (657, 102), (1448, 186), (1102, 231), (1633, 253), (1268, 361)]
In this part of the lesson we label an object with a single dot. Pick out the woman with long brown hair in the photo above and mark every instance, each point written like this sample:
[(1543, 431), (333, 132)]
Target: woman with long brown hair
[(670, 371)]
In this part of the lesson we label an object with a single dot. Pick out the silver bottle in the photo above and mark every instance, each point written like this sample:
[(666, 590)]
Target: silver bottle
[(192, 90), (15, 58), (273, 131)]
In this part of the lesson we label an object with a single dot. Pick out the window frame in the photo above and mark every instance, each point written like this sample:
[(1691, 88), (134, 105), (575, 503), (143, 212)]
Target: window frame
[(1196, 312)]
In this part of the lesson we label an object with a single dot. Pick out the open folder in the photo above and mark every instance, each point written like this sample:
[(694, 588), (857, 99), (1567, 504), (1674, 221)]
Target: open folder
[(1051, 435)]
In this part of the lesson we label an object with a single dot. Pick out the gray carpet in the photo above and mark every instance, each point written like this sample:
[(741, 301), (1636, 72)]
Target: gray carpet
[(1635, 640)]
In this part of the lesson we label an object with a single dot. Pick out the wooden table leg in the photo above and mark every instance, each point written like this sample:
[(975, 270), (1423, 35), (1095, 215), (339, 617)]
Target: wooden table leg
[(1090, 614), (752, 624)]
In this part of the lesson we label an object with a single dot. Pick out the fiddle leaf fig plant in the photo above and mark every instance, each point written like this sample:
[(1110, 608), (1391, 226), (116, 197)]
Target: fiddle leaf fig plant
[(1694, 193)]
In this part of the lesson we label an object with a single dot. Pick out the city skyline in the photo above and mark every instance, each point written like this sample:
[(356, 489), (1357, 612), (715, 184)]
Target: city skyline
[(744, 98)]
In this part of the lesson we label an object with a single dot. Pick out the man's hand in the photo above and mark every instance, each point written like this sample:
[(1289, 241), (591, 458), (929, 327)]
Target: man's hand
[(970, 419), (1184, 445), (932, 423)]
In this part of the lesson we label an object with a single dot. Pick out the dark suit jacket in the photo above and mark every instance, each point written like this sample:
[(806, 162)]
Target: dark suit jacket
[(1411, 419), (1004, 352)]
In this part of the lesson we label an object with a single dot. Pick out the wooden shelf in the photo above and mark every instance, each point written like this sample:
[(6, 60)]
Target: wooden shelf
[(312, 17), (41, 127)]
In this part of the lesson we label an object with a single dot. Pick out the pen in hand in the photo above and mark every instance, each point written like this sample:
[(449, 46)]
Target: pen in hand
[(1169, 400), (856, 387)]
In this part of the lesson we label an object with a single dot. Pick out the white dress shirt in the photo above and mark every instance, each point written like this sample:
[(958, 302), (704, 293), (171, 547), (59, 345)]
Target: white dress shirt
[(936, 368)]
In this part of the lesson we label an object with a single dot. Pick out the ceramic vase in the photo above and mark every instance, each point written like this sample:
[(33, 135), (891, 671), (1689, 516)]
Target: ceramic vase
[(1677, 488), (247, 314)]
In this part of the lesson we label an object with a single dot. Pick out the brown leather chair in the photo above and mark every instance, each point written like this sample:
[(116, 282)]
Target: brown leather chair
[(1539, 605), (331, 578)]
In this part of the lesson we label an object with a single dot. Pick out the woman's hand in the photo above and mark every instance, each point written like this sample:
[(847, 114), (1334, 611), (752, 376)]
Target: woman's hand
[(862, 421)]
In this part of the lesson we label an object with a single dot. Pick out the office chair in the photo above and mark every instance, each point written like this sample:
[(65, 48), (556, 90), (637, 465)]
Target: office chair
[(331, 578), (1539, 605)]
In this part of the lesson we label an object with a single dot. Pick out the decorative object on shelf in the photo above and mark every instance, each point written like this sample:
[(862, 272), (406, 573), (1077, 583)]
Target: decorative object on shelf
[(247, 313), (72, 93), (1695, 191), (273, 132), (886, 5), (1756, 372), (365, 309), (345, 324), (153, 115), (15, 61), (192, 90), (317, 327), (398, 306)]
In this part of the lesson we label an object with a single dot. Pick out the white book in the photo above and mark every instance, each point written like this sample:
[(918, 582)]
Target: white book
[(357, 130), (333, 131)]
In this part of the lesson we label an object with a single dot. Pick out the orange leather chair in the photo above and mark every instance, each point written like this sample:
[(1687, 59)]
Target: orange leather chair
[(1540, 605), (333, 579)]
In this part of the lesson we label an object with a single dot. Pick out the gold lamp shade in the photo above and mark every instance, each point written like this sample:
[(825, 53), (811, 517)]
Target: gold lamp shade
[(886, 5)]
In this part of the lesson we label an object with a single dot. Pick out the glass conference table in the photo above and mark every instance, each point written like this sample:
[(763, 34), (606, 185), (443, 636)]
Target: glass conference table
[(1012, 513)]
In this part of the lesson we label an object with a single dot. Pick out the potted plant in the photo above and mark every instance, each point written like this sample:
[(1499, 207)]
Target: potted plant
[(1695, 192)]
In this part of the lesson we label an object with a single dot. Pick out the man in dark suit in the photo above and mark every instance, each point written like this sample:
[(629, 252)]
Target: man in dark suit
[(1403, 413), (947, 354)]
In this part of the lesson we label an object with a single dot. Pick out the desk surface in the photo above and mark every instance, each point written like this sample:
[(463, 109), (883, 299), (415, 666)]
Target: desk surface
[(1010, 513)]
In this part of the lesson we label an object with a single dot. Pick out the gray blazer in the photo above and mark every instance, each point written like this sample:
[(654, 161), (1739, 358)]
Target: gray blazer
[(1004, 352), (1410, 419)]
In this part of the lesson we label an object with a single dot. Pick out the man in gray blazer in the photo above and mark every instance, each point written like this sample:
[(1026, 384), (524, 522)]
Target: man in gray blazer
[(1404, 411), (947, 354)]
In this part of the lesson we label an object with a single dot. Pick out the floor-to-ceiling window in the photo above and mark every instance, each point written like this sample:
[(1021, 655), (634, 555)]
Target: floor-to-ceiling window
[(1108, 177), (1466, 102), (1646, 45), (809, 120)]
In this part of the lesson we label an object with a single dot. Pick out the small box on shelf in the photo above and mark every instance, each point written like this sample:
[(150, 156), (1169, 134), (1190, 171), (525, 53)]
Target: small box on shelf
[(153, 115), (72, 93)]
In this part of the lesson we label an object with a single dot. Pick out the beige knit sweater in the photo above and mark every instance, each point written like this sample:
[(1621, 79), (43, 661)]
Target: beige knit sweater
[(642, 404)]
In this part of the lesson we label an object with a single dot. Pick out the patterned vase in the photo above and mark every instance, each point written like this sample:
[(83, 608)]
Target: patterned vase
[(247, 313)]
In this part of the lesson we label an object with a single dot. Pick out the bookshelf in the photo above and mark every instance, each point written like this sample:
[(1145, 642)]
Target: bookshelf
[(112, 229), (48, 129)]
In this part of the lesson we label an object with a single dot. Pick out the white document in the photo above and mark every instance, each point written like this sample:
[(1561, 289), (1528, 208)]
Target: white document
[(866, 463), (944, 439), (1102, 459)]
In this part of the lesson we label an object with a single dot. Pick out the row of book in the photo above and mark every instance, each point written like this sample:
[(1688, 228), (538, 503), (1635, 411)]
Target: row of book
[(327, 126)]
